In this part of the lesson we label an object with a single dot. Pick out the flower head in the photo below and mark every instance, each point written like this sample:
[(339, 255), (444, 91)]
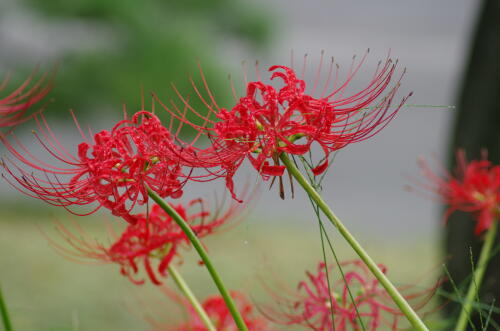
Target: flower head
[(153, 239), (351, 299), (286, 117), (220, 316), (113, 169), (13, 107), (475, 188)]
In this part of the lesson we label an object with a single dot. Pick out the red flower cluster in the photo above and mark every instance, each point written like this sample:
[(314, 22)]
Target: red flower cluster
[(113, 169), (268, 121), (13, 107), (319, 309), (152, 237), (221, 318), (475, 189)]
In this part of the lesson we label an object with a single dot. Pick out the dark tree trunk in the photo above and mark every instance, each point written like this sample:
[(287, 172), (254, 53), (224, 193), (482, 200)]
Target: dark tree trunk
[(477, 127)]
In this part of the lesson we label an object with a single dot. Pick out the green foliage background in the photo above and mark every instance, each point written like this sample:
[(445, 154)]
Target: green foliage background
[(154, 43)]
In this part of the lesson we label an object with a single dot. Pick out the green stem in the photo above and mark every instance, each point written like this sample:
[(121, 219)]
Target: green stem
[(5, 314), (183, 286), (204, 257), (477, 278), (400, 301)]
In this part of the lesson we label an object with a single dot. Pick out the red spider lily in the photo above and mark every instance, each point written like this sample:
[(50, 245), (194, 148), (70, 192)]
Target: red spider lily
[(322, 307), (153, 238), (113, 169), (268, 121), (14, 106), (216, 309), (474, 189)]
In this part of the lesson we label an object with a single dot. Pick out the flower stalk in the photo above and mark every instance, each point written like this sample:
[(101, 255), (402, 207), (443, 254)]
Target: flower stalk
[(399, 300), (204, 257), (477, 278), (5, 314), (184, 288)]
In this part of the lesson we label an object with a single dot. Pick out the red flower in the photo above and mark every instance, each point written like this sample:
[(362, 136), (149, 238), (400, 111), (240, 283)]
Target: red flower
[(154, 238), (268, 121), (13, 107), (315, 305), (112, 169), (474, 189), (219, 315)]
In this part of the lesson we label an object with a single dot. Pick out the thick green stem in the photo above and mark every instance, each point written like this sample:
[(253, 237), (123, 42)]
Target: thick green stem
[(400, 301), (204, 257), (181, 284), (5, 314), (477, 278)]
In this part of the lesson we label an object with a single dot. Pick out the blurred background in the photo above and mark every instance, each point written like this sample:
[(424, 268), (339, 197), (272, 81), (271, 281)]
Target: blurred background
[(107, 50)]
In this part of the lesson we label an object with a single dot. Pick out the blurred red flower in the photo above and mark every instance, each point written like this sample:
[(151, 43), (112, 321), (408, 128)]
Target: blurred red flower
[(340, 306), (13, 107), (152, 238), (475, 188), (216, 309)]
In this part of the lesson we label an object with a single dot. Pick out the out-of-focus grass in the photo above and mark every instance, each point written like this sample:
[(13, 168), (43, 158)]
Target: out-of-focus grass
[(45, 291)]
